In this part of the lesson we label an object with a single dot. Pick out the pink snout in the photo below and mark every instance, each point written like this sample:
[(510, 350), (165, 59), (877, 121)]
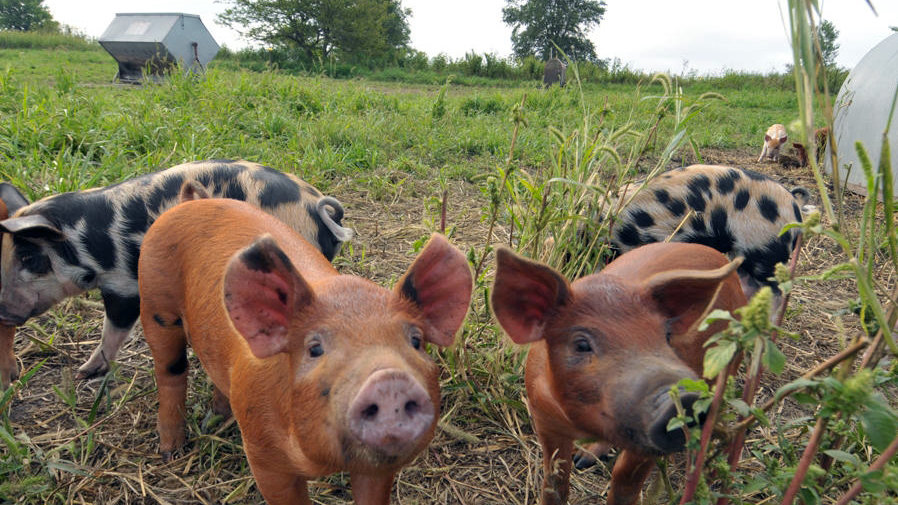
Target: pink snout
[(391, 412)]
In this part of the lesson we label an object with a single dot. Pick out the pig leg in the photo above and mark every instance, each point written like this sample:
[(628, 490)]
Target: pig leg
[(279, 486), (763, 152), (121, 314), (221, 405), (557, 453), (169, 347), (629, 473), (371, 489), (9, 369)]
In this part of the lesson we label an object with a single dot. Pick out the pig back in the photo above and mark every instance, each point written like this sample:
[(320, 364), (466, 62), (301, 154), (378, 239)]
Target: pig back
[(182, 266)]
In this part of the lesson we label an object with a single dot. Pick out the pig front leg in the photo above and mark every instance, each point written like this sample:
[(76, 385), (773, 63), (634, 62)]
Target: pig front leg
[(121, 314), (558, 450), (9, 369), (627, 478), (763, 152), (370, 489), (279, 486)]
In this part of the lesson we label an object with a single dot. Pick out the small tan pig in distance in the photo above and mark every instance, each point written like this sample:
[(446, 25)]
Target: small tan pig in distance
[(775, 138), (606, 350), (323, 372)]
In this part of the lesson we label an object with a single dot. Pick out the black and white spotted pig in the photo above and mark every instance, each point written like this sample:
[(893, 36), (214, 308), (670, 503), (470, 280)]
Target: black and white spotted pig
[(66, 244), (738, 212)]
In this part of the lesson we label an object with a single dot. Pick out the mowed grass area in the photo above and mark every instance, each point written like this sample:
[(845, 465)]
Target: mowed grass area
[(389, 152)]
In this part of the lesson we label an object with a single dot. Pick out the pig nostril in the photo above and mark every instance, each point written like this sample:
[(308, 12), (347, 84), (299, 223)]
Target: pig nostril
[(412, 408), (370, 412)]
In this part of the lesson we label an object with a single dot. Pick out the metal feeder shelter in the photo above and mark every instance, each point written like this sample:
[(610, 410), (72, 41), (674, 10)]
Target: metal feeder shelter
[(155, 42)]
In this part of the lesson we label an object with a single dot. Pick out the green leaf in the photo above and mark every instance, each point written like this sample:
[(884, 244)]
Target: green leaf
[(676, 423), (795, 385), (844, 457), (773, 359), (717, 358), (880, 425), (739, 406), (714, 316), (872, 482)]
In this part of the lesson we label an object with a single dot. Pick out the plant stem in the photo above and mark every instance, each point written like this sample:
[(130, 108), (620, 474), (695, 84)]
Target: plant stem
[(707, 429), (877, 465), (805, 462)]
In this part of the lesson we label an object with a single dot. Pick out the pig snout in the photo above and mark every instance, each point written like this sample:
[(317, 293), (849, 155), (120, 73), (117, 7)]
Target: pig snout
[(10, 319), (663, 410), (391, 412)]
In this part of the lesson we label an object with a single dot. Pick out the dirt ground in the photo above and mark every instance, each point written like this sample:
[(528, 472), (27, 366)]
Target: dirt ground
[(111, 457)]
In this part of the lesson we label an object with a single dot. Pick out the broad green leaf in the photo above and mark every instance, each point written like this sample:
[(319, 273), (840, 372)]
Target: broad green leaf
[(880, 425), (773, 359), (739, 406), (844, 457), (718, 357)]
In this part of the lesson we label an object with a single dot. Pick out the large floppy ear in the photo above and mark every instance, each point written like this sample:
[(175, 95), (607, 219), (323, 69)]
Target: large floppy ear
[(684, 295), (262, 292), (439, 283), (35, 226), (12, 197), (525, 295)]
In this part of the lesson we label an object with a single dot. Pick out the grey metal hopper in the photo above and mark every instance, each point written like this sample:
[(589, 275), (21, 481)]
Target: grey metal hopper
[(154, 42)]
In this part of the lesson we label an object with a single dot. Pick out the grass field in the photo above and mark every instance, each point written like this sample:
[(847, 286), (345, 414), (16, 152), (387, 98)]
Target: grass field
[(395, 155)]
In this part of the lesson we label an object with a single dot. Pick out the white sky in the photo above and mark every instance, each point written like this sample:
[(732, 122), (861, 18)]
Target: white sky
[(652, 35)]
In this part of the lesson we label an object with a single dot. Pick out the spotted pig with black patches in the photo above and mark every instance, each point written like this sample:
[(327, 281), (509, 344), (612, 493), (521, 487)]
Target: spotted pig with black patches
[(738, 212), (66, 244)]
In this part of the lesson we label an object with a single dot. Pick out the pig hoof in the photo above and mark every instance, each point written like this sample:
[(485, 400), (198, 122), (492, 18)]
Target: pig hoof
[(89, 371), (166, 456), (584, 460)]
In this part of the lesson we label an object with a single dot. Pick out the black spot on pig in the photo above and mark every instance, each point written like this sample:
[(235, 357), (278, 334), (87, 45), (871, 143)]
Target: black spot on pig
[(726, 183), (132, 253), (755, 176), (797, 212), (122, 311), (135, 218), (277, 188), (169, 188), (642, 218), (741, 200), (768, 208), (179, 365), (628, 235), (31, 255), (697, 223)]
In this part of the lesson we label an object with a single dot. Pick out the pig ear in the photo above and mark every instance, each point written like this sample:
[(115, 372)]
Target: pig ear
[(36, 226), (262, 290), (684, 295), (525, 295), (785, 138), (439, 283), (12, 197), (767, 138), (192, 190)]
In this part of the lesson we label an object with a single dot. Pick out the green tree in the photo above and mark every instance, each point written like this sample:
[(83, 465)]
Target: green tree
[(829, 49), (539, 25), (25, 15), (355, 30)]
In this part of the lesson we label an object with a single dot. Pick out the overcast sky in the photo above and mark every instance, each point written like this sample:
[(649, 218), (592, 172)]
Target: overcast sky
[(652, 35)]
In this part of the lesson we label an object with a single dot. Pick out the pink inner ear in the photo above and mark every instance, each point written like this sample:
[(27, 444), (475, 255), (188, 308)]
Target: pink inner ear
[(524, 294), (439, 282), (767, 138), (260, 305)]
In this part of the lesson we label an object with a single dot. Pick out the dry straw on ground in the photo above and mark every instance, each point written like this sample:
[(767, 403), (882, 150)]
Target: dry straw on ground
[(482, 454)]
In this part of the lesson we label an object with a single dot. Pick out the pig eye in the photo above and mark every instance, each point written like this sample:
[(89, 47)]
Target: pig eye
[(416, 342), (36, 263), (316, 350), (582, 345)]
